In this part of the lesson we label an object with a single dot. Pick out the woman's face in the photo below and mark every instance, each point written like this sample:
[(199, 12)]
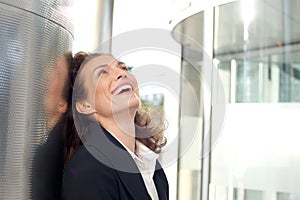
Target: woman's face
[(112, 89), (55, 101)]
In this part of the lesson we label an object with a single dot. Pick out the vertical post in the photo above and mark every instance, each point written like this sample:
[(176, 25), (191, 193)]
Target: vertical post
[(209, 73), (104, 26)]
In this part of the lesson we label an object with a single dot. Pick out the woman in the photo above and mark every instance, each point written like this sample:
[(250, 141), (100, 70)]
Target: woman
[(114, 153), (48, 162)]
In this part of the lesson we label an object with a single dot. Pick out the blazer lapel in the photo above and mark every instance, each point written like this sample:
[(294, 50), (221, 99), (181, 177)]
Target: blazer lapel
[(161, 182), (135, 185), (104, 147)]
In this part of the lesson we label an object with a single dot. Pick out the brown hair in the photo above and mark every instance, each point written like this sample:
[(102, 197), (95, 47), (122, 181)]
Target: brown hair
[(153, 128), (72, 140)]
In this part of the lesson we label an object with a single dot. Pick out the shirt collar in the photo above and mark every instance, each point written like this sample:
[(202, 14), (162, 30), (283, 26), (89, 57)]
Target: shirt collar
[(143, 153)]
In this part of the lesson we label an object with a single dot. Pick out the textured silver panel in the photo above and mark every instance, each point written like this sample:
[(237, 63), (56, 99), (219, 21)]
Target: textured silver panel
[(49, 9), (32, 36)]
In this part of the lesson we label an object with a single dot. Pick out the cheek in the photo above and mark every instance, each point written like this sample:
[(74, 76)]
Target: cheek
[(102, 98), (134, 81), (101, 89), (99, 94), (137, 91)]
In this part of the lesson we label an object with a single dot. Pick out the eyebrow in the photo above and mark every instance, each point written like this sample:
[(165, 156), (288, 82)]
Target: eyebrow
[(120, 63), (106, 65), (100, 66)]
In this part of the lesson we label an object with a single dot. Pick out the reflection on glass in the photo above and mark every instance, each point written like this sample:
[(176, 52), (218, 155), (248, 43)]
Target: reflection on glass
[(267, 62), (57, 90), (264, 80), (48, 161)]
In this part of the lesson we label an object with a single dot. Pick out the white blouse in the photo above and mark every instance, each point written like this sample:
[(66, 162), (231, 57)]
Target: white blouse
[(145, 159)]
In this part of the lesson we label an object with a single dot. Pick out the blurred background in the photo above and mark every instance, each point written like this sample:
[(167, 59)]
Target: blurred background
[(233, 113)]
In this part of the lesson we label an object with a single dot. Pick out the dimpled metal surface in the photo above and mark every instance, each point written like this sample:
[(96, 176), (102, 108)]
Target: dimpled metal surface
[(33, 34)]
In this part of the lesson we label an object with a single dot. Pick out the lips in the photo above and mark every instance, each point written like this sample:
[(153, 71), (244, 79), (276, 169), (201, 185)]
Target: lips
[(122, 89)]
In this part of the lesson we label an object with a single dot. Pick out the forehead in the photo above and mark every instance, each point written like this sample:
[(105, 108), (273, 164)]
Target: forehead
[(98, 61), (85, 76)]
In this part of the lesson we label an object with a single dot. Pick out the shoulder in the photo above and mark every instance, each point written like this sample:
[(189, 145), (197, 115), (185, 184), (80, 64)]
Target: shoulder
[(83, 162), (86, 177)]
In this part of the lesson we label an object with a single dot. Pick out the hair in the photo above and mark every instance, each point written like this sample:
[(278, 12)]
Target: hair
[(144, 118), (72, 140), (66, 89)]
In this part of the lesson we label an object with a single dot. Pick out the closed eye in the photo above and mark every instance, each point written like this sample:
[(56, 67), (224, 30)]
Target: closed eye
[(123, 66), (102, 72)]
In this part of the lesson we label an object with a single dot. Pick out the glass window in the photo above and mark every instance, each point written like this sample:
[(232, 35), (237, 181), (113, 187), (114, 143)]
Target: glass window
[(191, 108), (257, 48)]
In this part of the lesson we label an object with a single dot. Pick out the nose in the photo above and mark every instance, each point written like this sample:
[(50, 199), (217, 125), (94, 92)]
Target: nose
[(119, 73)]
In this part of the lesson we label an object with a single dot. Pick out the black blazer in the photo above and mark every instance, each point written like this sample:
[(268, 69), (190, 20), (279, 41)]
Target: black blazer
[(103, 169)]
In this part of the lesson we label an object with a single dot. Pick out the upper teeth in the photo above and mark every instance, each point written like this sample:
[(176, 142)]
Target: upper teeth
[(123, 87)]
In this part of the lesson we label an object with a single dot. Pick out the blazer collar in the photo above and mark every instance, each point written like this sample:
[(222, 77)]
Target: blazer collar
[(107, 150)]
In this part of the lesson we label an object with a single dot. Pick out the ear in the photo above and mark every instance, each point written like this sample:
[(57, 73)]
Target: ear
[(62, 107), (84, 107)]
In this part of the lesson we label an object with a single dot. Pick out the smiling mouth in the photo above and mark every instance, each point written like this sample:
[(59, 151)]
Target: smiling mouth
[(123, 89)]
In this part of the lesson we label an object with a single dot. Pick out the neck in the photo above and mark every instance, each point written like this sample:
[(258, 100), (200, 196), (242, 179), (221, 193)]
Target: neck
[(52, 121), (122, 127)]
